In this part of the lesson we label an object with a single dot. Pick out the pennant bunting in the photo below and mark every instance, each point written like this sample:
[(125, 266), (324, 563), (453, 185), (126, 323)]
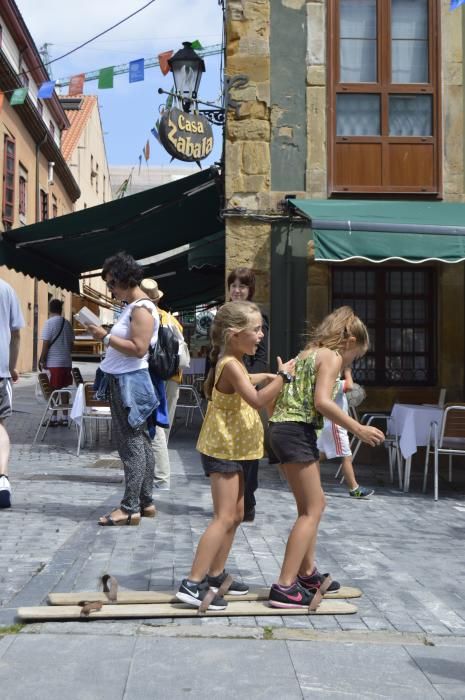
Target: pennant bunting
[(155, 134), (2, 97), (46, 90), (197, 46), (163, 61), (147, 150), (19, 96), (105, 78), (76, 85), (456, 3), (169, 99), (136, 70)]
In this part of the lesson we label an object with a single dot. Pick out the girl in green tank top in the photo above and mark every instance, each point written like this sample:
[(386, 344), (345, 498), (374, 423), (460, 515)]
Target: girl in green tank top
[(336, 343)]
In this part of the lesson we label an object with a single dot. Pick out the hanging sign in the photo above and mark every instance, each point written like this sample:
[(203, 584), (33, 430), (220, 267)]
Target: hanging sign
[(185, 136)]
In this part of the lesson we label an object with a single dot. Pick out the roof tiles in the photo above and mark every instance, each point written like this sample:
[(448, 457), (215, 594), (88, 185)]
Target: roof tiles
[(78, 119)]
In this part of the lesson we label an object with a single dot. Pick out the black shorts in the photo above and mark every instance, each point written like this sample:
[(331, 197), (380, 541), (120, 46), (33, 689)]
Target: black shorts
[(294, 442), (224, 466), (5, 398)]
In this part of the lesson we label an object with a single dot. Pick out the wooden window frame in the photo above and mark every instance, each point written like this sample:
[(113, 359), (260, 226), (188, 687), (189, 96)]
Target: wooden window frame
[(54, 207), (380, 298), (22, 194), (43, 205), (8, 192), (384, 88)]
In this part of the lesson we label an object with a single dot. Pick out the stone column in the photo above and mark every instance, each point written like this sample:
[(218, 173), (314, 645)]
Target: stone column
[(247, 161)]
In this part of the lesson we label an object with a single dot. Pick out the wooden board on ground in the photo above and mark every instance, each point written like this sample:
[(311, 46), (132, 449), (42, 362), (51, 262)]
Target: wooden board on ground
[(249, 608), (157, 597)]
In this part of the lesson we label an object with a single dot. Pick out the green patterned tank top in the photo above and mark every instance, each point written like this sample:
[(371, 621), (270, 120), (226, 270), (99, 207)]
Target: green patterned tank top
[(296, 400)]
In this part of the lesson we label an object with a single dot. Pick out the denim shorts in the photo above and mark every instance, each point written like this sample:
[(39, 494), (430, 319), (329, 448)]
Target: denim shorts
[(224, 466), (294, 442)]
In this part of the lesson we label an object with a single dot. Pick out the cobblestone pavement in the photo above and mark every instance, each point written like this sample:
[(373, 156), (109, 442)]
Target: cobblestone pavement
[(403, 550)]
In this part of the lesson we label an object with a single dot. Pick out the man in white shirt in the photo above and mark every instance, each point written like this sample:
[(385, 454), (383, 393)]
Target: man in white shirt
[(11, 321)]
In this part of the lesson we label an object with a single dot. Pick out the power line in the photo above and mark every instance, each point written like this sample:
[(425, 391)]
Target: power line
[(97, 36)]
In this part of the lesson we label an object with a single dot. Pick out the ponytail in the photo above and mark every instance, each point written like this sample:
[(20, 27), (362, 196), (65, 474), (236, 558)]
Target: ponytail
[(232, 316), (210, 380)]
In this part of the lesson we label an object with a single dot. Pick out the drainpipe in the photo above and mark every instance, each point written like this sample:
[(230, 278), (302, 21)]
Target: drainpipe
[(35, 332)]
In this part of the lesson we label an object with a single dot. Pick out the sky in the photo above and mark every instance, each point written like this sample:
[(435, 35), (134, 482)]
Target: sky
[(129, 110)]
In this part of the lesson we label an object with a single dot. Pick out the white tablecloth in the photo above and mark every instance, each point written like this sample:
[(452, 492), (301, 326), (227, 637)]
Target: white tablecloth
[(411, 423)]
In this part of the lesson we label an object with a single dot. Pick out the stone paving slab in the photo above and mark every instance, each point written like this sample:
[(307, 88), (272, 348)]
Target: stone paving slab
[(121, 664), (400, 549), (329, 671)]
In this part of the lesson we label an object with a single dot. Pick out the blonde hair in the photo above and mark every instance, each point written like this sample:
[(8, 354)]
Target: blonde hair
[(335, 330), (231, 317)]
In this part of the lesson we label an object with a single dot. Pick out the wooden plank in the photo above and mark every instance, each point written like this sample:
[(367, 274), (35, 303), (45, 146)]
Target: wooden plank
[(157, 597), (250, 608)]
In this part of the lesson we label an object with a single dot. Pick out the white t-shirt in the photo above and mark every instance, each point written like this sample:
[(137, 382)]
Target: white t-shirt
[(115, 362), (11, 319), (59, 355)]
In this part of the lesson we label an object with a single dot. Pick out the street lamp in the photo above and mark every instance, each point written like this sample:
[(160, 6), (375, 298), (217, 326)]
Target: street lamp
[(187, 68)]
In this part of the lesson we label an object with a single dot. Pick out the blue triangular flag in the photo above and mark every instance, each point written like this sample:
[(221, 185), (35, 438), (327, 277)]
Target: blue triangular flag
[(46, 90), (456, 3), (136, 70), (155, 134)]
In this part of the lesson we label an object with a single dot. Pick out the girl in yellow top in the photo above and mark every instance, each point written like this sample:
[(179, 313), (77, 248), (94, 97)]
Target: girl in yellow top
[(231, 435)]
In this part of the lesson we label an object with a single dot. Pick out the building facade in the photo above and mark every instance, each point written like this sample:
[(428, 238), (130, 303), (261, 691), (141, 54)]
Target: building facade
[(37, 183), (83, 147), (349, 100)]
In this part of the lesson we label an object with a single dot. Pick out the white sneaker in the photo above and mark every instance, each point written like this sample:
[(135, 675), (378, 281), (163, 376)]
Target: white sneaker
[(5, 492), (162, 485)]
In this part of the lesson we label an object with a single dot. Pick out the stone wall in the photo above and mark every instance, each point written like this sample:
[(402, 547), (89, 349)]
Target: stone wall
[(248, 133)]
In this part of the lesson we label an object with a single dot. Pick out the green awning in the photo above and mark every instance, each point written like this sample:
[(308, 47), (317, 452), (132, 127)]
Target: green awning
[(378, 231), (144, 224), (191, 277)]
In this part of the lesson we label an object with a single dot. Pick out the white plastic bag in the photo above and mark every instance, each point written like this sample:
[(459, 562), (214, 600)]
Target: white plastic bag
[(184, 354)]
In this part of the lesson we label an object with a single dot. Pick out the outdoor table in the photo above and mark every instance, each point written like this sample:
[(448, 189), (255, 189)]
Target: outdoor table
[(411, 424)]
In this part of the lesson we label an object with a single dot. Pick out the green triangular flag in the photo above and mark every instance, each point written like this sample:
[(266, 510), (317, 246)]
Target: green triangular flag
[(196, 45), (105, 78), (18, 97), (169, 100)]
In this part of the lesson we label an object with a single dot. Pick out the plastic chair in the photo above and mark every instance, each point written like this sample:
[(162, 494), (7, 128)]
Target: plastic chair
[(54, 399), (449, 440)]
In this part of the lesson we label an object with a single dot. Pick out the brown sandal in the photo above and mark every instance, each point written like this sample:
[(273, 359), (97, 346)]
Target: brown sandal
[(130, 519), (148, 511)]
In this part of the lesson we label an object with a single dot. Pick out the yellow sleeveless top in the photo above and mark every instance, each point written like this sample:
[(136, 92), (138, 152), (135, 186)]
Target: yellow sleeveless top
[(232, 429)]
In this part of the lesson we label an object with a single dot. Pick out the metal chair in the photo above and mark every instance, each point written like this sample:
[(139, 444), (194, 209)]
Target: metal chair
[(448, 440), (189, 398), (92, 410), (391, 443), (55, 402), (77, 376)]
